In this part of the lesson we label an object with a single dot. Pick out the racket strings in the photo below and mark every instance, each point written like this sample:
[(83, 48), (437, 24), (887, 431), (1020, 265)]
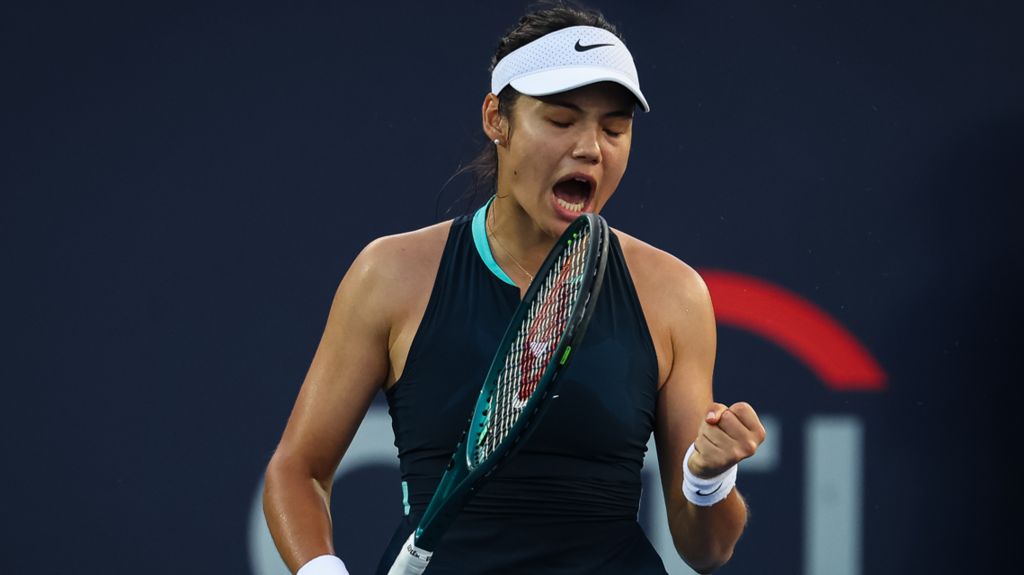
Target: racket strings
[(534, 346)]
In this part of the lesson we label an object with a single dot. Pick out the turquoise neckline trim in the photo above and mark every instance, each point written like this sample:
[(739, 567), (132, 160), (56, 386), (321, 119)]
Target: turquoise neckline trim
[(483, 247)]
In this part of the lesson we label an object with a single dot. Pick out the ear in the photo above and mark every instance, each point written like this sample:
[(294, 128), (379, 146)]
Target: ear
[(495, 125)]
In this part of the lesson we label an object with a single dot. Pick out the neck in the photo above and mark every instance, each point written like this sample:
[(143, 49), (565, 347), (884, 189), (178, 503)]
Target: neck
[(521, 245)]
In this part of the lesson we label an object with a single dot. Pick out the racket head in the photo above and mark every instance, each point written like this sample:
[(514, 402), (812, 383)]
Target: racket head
[(565, 291), (538, 343)]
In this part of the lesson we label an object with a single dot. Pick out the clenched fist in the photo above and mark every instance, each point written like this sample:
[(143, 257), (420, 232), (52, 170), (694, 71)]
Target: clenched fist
[(727, 436)]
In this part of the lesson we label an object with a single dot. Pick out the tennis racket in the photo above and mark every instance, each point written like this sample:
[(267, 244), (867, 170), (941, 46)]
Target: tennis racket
[(540, 339)]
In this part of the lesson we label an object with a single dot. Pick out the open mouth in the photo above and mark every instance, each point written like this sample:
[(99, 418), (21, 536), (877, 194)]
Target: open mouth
[(573, 193)]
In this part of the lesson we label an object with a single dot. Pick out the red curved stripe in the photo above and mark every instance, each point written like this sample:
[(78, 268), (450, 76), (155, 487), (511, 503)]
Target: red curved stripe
[(796, 325)]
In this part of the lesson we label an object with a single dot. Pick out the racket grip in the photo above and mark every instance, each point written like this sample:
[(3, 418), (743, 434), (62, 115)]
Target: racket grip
[(411, 559)]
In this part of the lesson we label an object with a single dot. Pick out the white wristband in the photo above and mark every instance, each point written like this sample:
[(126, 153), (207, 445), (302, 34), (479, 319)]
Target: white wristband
[(706, 492), (323, 565), (411, 559)]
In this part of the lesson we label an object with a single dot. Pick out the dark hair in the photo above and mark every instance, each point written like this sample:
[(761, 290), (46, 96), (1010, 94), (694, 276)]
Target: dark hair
[(543, 18)]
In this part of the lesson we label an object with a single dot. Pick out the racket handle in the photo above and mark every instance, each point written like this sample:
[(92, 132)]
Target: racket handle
[(411, 559)]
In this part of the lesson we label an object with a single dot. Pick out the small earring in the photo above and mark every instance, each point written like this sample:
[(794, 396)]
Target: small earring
[(497, 141)]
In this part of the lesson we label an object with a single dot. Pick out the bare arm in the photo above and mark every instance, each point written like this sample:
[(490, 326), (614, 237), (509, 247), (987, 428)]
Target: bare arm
[(350, 365), (704, 536)]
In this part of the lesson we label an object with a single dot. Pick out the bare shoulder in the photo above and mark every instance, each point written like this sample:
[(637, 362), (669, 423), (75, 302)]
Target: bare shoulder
[(661, 276), (400, 256), (392, 270)]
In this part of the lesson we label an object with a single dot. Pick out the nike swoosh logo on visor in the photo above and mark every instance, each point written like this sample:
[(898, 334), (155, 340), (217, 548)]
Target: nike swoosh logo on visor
[(581, 48)]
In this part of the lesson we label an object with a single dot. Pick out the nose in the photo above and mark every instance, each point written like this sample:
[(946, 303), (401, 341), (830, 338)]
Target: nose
[(588, 147)]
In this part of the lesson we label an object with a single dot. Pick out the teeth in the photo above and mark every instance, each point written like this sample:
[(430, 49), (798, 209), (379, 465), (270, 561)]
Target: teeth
[(571, 207)]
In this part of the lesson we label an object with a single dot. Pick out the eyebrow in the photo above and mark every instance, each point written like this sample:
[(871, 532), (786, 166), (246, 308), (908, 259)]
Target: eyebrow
[(623, 113)]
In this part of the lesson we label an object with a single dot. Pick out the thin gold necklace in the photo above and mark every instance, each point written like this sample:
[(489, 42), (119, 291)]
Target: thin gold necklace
[(512, 257)]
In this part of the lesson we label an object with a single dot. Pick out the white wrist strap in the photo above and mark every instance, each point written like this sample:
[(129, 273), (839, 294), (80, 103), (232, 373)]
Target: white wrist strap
[(706, 492), (323, 565), (411, 559)]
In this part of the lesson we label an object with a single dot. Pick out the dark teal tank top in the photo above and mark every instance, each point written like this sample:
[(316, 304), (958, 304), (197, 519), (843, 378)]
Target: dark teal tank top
[(567, 501)]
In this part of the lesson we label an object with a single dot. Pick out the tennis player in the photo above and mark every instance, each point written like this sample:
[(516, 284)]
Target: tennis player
[(419, 315)]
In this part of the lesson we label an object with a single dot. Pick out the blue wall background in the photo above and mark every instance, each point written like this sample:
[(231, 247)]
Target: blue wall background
[(183, 186)]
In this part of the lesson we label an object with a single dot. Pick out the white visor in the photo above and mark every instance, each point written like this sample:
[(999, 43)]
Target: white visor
[(567, 59)]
